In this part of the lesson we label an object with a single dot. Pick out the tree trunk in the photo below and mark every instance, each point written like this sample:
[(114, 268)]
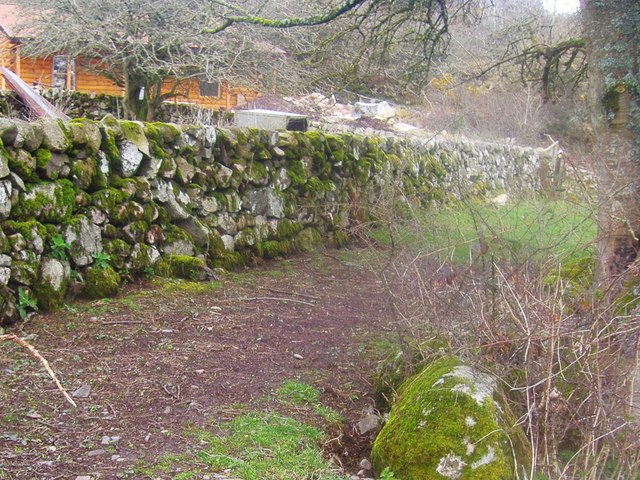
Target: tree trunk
[(612, 30), (135, 102)]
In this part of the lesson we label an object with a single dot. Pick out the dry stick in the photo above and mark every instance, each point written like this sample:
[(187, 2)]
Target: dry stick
[(304, 295), (277, 299), (41, 359)]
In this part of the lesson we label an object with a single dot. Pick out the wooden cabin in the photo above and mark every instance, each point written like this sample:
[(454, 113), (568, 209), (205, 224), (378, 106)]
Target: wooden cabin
[(67, 72)]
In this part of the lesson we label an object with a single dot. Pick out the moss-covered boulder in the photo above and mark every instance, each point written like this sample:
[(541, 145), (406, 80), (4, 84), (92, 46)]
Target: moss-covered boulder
[(53, 282), (449, 423), (47, 202), (181, 266), (101, 282)]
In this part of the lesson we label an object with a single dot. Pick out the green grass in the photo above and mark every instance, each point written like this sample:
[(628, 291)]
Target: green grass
[(301, 395), (530, 228), (258, 446)]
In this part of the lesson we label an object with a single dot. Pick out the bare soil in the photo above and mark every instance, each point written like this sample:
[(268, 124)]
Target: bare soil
[(167, 356)]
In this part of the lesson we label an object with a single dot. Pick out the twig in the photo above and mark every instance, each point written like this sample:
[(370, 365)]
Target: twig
[(304, 295), (123, 322), (23, 343), (276, 299)]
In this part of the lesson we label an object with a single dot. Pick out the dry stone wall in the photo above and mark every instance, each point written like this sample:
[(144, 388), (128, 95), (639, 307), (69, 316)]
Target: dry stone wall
[(84, 205)]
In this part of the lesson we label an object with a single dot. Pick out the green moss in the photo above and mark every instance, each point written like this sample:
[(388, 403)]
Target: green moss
[(308, 240), (180, 266), (83, 172), (109, 146), (107, 200), (43, 156), (288, 228), (101, 282), (119, 250), (47, 202), (29, 229), (232, 260), (216, 247), (275, 248), (256, 173), (297, 173), (437, 417), (338, 239)]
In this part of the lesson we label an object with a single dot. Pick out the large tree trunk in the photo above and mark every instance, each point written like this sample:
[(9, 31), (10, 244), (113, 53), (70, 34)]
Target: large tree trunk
[(612, 30), (135, 102)]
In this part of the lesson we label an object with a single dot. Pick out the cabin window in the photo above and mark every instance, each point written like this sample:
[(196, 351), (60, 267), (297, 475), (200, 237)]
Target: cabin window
[(64, 72), (209, 89)]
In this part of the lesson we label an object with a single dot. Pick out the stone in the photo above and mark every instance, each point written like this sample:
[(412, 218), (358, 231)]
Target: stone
[(365, 464), (5, 275), (50, 202), (369, 423), (176, 206), (130, 159), (223, 176), (184, 171), (55, 167), (54, 137), (101, 282), (4, 165), (281, 179), (8, 131), (228, 242), (29, 136), (85, 240), (198, 231), (82, 392), (17, 182), (264, 201), (150, 168), (180, 247), (226, 224), (53, 280), (209, 205), (448, 423), (5, 199), (86, 133), (142, 256)]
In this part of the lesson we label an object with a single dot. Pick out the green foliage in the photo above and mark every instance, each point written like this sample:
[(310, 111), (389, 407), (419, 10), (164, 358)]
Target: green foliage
[(101, 260), (387, 474), (59, 247), (26, 302)]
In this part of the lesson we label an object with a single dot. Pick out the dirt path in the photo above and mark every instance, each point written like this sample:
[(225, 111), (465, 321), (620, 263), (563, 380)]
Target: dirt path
[(164, 357)]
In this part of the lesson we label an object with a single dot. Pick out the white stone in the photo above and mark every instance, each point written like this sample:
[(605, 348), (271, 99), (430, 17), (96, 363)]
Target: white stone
[(5, 199), (131, 158), (229, 242)]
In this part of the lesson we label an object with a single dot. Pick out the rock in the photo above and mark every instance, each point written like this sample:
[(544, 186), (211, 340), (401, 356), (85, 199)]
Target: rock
[(5, 199), (184, 171), (209, 205), (82, 392), (500, 200), (96, 453), (85, 240), (29, 136), (17, 182), (381, 110), (54, 137), (177, 206), (447, 424), (8, 131), (369, 423), (4, 165), (47, 202), (84, 477), (53, 281), (101, 282), (297, 356), (264, 201), (198, 231), (226, 224), (130, 159), (134, 134), (365, 464), (281, 179), (180, 247), (229, 242), (5, 275), (86, 133), (223, 176)]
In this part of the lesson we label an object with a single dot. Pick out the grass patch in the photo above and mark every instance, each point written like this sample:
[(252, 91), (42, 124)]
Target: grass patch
[(301, 395), (530, 228), (260, 446)]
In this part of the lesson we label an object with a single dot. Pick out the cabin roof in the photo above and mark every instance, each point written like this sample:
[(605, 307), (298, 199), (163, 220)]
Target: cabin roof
[(9, 18)]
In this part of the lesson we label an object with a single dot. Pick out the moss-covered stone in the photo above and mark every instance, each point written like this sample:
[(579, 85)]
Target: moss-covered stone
[(308, 240), (447, 423), (47, 202), (101, 282), (232, 261), (107, 200), (275, 248), (53, 282), (181, 266)]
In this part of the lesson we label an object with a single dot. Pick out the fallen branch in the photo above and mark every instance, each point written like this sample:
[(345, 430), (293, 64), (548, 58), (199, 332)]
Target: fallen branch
[(275, 299), (23, 343), (304, 295)]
